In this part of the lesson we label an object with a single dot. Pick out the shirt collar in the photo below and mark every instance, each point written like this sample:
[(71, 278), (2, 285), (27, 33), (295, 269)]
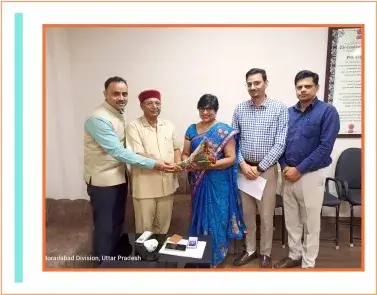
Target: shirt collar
[(112, 109), (312, 104), (264, 104), (146, 123)]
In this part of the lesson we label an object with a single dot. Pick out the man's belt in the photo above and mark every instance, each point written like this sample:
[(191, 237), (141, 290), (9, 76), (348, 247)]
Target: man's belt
[(252, 163), (255, 164)]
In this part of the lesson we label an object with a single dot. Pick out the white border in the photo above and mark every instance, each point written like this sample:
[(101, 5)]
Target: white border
[(35, 14)]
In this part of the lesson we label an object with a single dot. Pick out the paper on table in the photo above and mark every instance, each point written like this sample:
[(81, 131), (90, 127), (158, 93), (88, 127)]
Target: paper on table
[(254, 187), (192, 253)]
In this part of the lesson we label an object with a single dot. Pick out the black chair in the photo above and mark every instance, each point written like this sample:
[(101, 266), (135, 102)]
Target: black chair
[(348, 172), (329, 200), (279, 204)]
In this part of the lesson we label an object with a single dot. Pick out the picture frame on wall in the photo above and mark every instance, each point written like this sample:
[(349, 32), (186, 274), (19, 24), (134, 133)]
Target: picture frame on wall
[(344, 75)]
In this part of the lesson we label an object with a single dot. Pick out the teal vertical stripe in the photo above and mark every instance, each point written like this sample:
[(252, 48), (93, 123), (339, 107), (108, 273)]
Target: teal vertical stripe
[(18, 122)]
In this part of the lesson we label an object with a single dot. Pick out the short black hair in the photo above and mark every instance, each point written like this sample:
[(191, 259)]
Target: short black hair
[(255, 71), (114, 79), (307, 74), (209, 100)]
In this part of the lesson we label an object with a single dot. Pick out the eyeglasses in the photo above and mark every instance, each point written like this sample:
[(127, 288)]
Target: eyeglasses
[(256, 84), (208, 109)]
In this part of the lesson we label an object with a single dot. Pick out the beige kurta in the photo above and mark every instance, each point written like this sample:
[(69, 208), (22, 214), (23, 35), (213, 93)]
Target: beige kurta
[(152, 190), (143, 138)]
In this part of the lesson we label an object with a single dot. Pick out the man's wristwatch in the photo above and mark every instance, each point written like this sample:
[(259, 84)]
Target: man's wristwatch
[(260, 169)]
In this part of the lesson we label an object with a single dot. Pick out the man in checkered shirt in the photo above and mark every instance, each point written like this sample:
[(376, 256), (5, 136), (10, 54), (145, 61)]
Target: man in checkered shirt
[(263, 124)]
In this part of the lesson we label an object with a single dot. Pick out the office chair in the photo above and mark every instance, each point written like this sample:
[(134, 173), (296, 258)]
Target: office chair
[(280, 204), (348, 172), (329, 200)]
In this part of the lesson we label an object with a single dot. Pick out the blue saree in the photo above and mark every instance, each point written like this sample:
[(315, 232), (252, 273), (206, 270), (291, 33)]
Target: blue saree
[(216, 204)]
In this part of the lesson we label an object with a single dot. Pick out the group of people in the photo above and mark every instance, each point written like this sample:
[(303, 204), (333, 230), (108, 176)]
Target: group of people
[(263, 134)]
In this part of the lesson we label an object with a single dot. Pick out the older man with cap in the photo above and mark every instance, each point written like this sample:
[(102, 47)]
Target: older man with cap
[(152, 191)]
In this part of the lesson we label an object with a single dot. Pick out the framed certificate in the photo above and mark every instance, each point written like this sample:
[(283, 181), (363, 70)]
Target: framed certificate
[(343, 86)]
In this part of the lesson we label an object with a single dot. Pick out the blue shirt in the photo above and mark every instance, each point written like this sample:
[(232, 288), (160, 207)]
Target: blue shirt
[(311, 136), (103, 133)]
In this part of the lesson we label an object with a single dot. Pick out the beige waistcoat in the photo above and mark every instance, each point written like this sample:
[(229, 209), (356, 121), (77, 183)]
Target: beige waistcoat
[(99, 167)]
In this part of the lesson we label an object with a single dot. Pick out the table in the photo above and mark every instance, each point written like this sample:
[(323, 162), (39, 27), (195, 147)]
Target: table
[(128, 254)]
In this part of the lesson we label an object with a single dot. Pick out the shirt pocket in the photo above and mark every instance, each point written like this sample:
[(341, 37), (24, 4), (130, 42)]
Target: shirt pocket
[(169, 144), (310, 130)]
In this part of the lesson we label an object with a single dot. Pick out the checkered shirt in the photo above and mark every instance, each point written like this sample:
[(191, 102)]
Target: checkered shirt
[(263, 131)]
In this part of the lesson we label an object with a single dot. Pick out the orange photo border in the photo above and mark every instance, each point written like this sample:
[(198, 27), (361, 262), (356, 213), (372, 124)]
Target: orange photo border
[(335, 269), (305, 25)]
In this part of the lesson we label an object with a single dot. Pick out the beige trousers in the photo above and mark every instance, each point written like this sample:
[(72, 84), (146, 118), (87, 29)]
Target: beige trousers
[(266, 209), (302, 208), (153, 214)]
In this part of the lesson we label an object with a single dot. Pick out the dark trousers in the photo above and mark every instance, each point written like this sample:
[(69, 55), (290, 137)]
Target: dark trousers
[(109, 206)]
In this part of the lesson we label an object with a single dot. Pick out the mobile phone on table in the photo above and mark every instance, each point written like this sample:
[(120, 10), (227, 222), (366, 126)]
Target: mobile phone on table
[(192, 243), (178, 247)]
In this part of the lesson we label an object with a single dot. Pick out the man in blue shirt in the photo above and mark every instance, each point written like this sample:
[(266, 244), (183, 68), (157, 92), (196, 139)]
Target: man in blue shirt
[(105, 172), (313, 128)]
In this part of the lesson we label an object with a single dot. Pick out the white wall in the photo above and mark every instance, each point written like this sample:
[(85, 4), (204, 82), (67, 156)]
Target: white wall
[(64, 137), (185, 63)]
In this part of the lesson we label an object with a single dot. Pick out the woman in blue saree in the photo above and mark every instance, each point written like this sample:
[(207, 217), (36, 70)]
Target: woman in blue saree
[(216, 204)]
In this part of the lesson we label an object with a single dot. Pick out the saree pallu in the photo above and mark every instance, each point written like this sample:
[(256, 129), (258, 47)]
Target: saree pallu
[(216, 203)]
